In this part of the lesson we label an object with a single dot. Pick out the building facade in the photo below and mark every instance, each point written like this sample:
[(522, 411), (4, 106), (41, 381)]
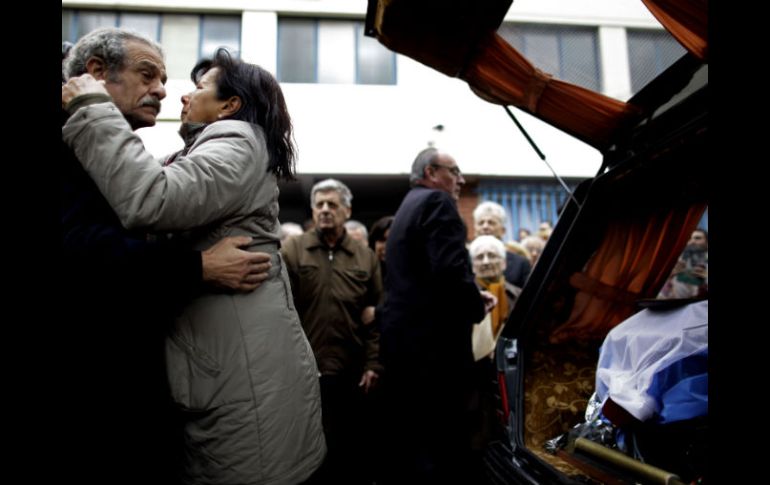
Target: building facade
[(361, 112)]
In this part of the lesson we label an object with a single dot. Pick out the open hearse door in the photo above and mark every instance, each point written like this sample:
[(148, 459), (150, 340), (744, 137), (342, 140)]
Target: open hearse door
[(600, 380)]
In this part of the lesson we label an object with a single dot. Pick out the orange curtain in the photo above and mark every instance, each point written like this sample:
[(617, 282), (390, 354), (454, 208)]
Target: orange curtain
[(440, 34), (632, 262), (499, 74), (687, 20), (458, 39)]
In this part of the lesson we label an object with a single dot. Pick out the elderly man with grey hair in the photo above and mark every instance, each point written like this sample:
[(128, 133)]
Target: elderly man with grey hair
[(122, 290), (430, 307), (489, 218), (336, 284)]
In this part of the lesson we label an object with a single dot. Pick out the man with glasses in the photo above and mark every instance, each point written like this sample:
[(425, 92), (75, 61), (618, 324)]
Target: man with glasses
[(429, 310)]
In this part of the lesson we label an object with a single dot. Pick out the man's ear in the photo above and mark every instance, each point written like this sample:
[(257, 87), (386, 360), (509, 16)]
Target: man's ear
[(231, 106), (429, 172), (96, 67)]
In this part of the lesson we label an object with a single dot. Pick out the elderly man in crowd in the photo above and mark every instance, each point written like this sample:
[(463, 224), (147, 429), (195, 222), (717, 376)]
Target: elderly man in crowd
[(123, 289), (430, 307), (489, 218), (336, 284)]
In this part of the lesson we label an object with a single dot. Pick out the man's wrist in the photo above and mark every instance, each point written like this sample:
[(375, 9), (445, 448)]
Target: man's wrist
[(206, 275)]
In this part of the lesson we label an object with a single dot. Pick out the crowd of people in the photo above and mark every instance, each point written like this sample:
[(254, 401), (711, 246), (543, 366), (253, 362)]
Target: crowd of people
[(273, 354)]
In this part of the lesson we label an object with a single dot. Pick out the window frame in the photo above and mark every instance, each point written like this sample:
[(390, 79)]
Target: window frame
[(358, 30), (560, 31)]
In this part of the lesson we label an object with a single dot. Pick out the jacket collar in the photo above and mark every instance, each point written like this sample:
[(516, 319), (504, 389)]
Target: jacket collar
[(314, 240), (190, 131)]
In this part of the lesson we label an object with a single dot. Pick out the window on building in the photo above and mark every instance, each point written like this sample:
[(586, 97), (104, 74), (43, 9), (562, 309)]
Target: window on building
[(650, 52), (144, 23), (376, 64), (66, 25), (336, 52), (77, 23), (220, 31), (88, 21), (527, 204), (331, 51), (180, 38), (184, 38), (296, 50), (568, 53)]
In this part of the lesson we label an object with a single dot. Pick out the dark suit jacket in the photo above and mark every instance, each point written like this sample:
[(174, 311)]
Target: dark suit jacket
[(431, 299), (118, 295), (517, 269)]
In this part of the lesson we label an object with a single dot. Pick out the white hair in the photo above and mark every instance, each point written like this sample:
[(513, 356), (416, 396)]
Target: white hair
[(480, 241), (490, 207), (533, 243), (354, 225), (346, 197)]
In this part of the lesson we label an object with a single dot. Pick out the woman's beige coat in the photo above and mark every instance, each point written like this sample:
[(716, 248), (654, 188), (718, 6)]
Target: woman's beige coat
[(239, 364)]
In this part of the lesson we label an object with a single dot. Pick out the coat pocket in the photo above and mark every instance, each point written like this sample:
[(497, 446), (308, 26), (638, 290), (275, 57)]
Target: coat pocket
[(192, 373)]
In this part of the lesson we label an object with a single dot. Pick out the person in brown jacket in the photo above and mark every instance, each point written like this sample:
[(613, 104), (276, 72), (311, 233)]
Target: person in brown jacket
[(336, 283)]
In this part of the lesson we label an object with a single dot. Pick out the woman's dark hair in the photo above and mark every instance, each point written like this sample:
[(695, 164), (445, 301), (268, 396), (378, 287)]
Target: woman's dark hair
[(377, 232), (262, 104)]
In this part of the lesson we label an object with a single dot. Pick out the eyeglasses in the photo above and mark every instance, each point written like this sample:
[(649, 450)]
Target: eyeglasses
[(453, 170)]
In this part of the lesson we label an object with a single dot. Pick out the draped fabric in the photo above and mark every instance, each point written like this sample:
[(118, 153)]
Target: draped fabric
[(632, 262), (440, 34), (459, 39), (498, 73), (686, 20), (500, 311)]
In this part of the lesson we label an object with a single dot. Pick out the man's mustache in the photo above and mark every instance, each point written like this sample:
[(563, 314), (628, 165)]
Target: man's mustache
[(150, 101)]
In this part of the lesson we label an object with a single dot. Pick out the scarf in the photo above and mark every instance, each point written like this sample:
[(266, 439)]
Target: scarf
[(189, 133), (500, 311)]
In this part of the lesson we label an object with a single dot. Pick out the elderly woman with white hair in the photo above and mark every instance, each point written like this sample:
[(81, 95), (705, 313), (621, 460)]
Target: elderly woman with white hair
[(488, 257)]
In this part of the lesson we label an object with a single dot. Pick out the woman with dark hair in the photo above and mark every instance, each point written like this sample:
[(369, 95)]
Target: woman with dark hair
[(378, 236), (239, 364)]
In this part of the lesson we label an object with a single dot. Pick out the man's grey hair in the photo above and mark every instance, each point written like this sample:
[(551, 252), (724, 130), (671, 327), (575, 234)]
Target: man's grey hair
[(489, 207), (332, 184), (354, 225), (424, 158), (108, 44), (480, 241)]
